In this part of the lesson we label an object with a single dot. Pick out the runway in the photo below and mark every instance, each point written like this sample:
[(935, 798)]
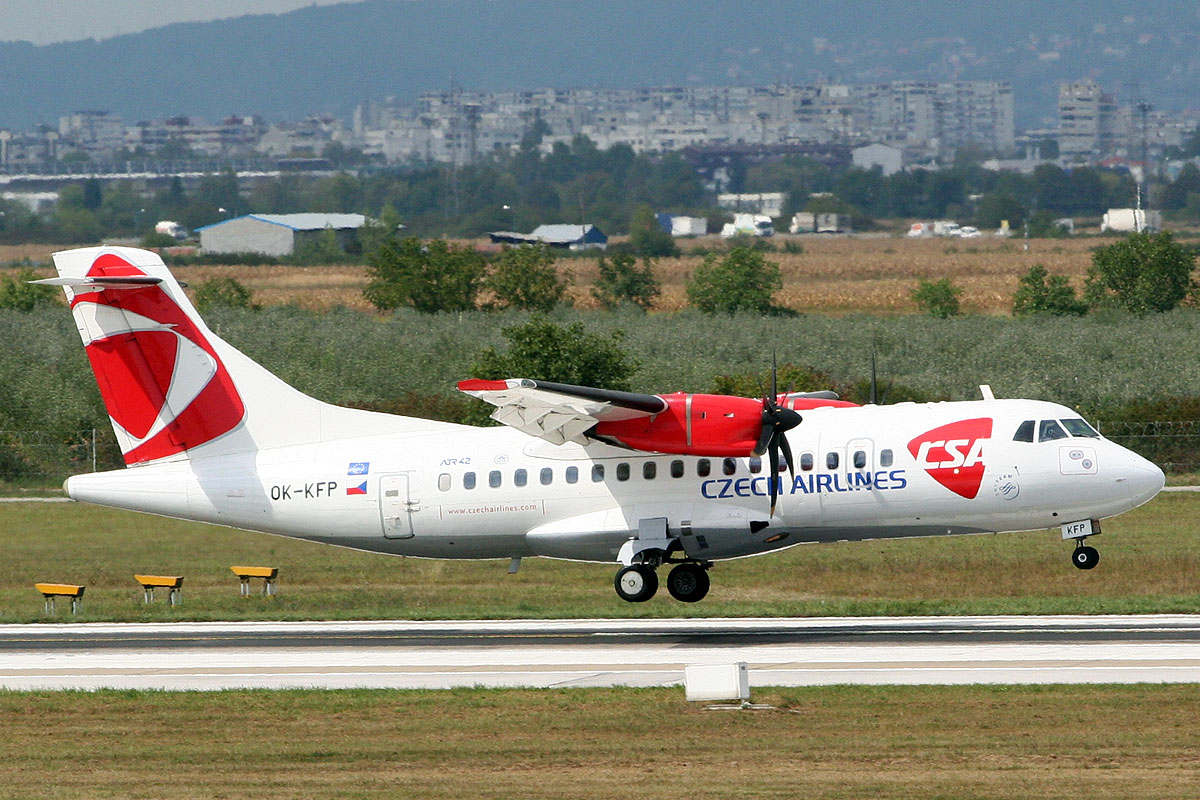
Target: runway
[(577, 653)]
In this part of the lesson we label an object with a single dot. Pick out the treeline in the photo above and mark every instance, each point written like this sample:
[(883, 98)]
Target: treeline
[(579, 182)]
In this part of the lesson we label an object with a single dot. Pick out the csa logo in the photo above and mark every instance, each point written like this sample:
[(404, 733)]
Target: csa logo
[(953, 454)]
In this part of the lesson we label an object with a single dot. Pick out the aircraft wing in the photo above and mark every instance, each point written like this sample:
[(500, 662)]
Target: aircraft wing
[(559, 412)]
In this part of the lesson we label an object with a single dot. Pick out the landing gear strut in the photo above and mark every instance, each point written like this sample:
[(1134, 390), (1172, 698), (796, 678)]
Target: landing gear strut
[(1085, 557), (636, 583)]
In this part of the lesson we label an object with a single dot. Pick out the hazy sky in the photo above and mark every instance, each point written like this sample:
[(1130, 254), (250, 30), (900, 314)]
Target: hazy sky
[(47, 21)]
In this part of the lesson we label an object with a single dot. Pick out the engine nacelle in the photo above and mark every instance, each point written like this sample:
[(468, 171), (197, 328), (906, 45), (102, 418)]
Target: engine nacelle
[(693, 425)]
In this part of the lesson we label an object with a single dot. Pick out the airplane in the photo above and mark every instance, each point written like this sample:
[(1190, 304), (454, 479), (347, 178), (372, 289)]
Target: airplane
[(636, 480)]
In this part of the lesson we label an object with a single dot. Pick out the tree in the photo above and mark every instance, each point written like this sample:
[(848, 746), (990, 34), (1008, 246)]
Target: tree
[(1175, 194), (19, 294), (742, 281), (647, 237), (1144, 272), (223, 293), (1039, 292), (621, 281), (563, 353), (526, 278), (993, 208), (937, 298), (430, 277)]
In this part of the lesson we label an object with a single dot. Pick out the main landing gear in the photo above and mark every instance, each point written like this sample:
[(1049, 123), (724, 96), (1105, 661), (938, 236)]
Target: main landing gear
[(1085, 557), (687, 582)]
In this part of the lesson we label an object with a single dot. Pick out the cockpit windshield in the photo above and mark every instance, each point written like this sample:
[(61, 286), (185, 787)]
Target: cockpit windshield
[(1050, 429), (1077, 427)]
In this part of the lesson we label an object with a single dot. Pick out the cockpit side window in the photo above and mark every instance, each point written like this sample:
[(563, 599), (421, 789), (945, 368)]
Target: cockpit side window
[(1049, 430), (1024, 432), (1077, 427)]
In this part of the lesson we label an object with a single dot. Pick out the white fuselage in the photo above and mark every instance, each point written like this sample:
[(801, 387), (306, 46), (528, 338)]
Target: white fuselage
[(461, 492)]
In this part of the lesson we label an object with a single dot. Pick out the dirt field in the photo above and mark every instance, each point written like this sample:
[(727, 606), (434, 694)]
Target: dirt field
[(833, 274)]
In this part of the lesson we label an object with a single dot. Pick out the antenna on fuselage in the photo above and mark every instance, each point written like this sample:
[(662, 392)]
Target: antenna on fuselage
[(986, 390)]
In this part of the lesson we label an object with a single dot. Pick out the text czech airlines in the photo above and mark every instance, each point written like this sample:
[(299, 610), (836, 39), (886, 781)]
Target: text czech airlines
[(823, 483)]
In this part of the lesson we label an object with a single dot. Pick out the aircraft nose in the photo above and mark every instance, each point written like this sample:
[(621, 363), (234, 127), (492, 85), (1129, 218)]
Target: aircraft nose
[(1145, 479)]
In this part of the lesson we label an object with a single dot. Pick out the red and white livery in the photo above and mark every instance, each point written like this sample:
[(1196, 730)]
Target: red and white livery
[(576, 473)]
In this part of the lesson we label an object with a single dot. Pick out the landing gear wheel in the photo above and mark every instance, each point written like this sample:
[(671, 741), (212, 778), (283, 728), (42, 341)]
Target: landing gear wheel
[(1085, 557), (636, 584), (688, 583)]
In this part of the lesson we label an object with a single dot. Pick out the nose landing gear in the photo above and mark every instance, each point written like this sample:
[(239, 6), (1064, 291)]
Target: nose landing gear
[(1084, 557)]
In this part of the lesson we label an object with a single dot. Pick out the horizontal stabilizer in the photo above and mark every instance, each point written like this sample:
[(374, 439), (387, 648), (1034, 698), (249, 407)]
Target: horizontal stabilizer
[(102, 282)]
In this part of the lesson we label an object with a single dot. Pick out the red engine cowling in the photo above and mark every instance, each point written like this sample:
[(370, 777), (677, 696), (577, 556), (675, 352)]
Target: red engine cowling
[(694, 425)]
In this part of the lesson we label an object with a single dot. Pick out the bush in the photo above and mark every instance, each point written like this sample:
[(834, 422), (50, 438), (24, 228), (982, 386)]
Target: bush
[(1039, 292), (18, 293), (223, 292), (647, 238), (742, 281), (526, 278), (937, 298), (544, 350), (621, 281), (1144, 272), (431, 277)]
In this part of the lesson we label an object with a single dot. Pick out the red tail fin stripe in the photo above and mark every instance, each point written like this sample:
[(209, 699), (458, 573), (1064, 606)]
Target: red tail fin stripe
[(164, 385)]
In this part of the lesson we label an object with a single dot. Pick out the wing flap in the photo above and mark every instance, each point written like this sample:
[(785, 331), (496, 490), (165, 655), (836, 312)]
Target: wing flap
[(558, 412)]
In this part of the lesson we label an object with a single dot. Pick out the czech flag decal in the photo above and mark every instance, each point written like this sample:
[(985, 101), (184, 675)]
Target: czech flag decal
[(360, 489)]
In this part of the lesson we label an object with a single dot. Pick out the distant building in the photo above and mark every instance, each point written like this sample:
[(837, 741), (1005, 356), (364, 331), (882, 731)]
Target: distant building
[(570, 237), (887, 158), (275, 234), (1087, 118), (768, 203)]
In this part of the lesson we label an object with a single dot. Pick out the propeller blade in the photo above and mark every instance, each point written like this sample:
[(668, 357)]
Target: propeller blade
[(787, 455), (874, 385), (773, 479)]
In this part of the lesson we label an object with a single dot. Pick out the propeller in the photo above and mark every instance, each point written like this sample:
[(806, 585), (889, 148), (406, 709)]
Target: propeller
[(776, 422)]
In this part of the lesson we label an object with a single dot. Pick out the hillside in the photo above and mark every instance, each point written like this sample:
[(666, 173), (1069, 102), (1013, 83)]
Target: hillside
[(329, 58)]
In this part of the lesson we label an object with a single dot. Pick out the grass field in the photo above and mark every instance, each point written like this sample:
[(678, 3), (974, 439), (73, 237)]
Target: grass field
[(833, 274), (1150, 563), (1096, 742)]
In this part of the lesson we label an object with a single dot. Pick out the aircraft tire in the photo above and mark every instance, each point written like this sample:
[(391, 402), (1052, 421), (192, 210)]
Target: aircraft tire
[(1085, 557), (636, 584), (688, 583)]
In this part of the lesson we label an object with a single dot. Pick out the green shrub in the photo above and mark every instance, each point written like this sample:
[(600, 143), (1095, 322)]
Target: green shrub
[(937, 298), (545, 350), (741, 281), (18, 293), (621, 281), (1144, 272), (224, 292), (430, 277), (527, 279), (1039, 292)]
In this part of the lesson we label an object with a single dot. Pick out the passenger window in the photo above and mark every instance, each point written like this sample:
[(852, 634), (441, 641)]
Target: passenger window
[(729, 466), (494, 479), (444, 481), (623, 471), (677, 469), (755, 465), (597, 473), (703, 468), (885, 458), (860, 459), (832, 460), (649, 470), (546, 476), (1049, 430), (1024, 432), (520, 477), (468, 480), (1077, 427), (806, 461), (572, 474)]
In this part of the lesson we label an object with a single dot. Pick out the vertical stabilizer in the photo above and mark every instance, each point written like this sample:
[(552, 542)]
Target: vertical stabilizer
[(172, 388)]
